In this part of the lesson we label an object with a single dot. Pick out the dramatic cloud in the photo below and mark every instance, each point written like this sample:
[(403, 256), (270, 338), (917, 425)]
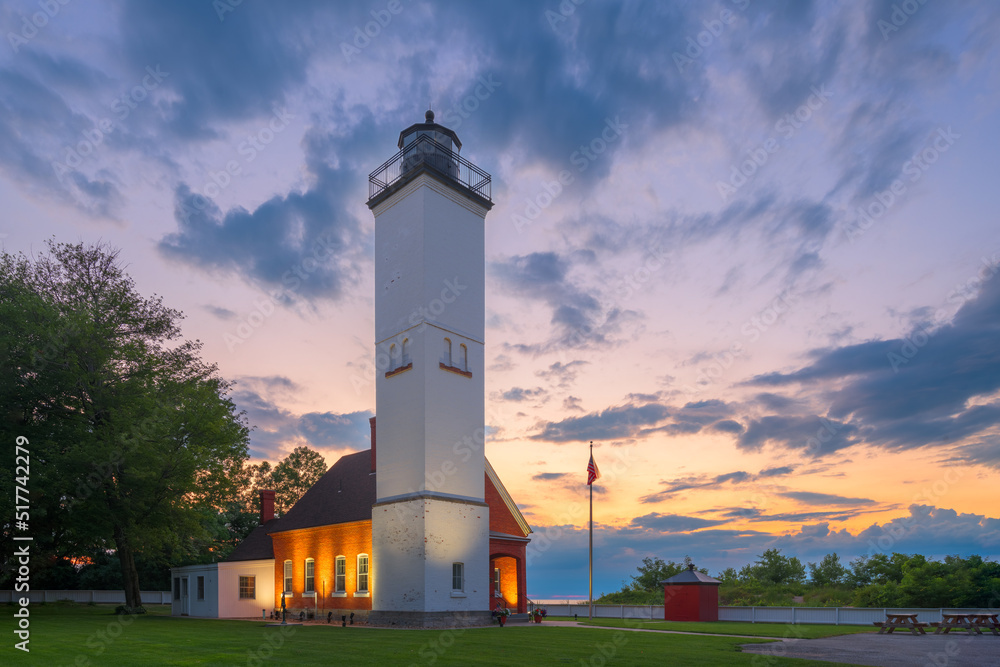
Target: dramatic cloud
[(277, 430), (813, 436), (935, 386), (519, 394), (300, 245), (549, 476), (672, 523), (578, 319), (710, 482), (811, 498), (562, 374), (610, 424)]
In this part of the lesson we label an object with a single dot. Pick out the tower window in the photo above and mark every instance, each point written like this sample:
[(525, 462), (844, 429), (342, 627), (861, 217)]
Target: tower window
[(460, 365), (399, 358)]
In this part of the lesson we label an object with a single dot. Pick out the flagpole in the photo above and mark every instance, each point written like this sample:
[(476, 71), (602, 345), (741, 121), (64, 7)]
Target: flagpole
[(590, 596)]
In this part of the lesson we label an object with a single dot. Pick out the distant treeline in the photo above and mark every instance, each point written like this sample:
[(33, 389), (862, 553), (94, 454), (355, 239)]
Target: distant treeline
[(879, 580)]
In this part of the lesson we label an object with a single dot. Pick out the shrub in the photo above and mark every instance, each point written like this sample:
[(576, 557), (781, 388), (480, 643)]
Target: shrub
[(123, 610)]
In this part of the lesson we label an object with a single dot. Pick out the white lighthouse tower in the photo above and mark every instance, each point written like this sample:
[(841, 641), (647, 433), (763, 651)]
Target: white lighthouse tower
[(430, 523)]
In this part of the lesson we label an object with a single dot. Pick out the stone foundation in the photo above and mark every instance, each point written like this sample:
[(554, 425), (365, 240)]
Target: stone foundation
[(430, 619)]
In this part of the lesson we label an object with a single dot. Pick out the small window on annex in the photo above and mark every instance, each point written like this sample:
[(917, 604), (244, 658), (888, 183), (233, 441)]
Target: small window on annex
[(248, 588), (457, 577), (201, 588), (288, 577)]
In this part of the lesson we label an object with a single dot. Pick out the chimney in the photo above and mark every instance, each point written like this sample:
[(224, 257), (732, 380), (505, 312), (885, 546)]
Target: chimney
[(371, 422), (266, 506)]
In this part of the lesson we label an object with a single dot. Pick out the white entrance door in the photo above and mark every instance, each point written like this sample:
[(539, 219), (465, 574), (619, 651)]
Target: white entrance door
[(185, 599)]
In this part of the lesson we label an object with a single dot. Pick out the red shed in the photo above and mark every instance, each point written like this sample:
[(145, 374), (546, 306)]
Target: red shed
[(690, 596)]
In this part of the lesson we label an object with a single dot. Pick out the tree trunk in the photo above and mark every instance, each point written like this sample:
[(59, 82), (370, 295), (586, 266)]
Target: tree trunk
[(130, 576)]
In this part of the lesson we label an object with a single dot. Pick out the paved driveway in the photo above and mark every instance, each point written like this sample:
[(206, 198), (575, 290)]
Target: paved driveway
[(895, 650)]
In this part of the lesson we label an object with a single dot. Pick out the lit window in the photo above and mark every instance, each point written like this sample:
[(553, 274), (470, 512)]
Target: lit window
[(310, 575), (201, 588), (496, 581), (363, 573), (340, 575), (248, 588), (458, 577), (288, 576)]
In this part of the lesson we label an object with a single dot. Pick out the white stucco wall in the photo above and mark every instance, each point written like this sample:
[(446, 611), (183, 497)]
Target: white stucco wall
[(430, 285), (415, 543), (230, 604)]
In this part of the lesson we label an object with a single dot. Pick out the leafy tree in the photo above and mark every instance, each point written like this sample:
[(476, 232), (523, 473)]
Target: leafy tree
[(729, 576), (133, 441), (289, 479), (294, 475), (652, 572), (828, 572), (772, 567)]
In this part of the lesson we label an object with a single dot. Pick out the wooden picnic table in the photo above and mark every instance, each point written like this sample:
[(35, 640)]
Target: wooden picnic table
[(988, 621), (901, 621), (971, 622)]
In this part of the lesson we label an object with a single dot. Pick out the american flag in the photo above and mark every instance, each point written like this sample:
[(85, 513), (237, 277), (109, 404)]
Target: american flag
[(593, 474)]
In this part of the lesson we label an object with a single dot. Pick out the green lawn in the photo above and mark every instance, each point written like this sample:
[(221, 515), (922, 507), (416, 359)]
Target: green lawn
[(798, 631), (80, 635)]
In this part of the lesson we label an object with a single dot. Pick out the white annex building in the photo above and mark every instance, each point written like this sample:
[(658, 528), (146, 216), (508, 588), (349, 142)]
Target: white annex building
[(427, 535)]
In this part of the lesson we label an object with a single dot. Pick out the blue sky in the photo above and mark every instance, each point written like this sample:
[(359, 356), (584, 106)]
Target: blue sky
[(749, 248)]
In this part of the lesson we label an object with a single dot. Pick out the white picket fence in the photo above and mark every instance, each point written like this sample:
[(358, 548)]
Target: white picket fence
[(97, 597), (793, 615)]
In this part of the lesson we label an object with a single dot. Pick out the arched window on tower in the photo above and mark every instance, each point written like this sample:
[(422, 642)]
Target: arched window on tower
[(463, 357), (447, 352), (399, 358)]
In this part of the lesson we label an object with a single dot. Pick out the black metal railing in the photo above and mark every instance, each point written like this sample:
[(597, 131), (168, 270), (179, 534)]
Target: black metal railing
[(425, 152)]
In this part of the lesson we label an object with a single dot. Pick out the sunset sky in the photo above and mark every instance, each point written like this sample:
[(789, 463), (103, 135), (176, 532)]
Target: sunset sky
[(746, 247)]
